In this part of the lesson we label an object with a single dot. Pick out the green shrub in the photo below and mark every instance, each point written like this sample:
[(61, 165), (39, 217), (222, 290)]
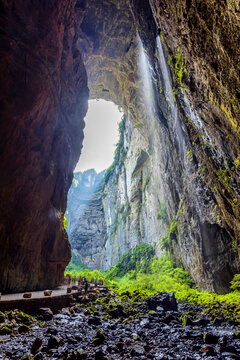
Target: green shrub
[(162, 212), (119, 154), (139, 259), (235, 283)]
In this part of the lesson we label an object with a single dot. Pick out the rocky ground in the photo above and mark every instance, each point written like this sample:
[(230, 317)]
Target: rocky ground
[(107, 326)]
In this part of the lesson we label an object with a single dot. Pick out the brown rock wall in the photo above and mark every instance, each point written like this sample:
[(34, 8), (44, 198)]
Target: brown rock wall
[(43, 99)]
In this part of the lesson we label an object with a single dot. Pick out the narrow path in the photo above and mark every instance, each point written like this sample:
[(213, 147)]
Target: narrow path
[(61, 290)]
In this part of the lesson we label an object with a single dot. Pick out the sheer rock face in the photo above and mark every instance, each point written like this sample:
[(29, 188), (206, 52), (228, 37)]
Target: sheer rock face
[(189, 156), (87, 230), (188, 162), (43, 101), (207, 34)]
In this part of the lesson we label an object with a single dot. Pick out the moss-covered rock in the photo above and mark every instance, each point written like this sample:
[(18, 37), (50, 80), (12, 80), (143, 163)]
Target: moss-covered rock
[(6, 329), (99, 337)]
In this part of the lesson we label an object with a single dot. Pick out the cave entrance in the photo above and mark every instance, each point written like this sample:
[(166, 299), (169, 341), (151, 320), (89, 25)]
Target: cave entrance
[(85, 216), (100, 136)]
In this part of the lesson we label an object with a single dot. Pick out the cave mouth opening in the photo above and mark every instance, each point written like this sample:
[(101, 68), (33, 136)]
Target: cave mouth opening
[(101, 136)]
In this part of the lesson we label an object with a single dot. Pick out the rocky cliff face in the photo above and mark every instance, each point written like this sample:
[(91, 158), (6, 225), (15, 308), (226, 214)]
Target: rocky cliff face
[(180, 94), (86, 219), (180, 178), (43, 101)]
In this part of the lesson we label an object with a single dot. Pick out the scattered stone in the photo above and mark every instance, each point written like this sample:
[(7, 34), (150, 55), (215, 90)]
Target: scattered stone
[(137, 350), (6, 329), (209, 350), (47, 292), (145, 323), (2, 317), (140, 333), (53, 342), (210, 338), (23, 329), (45, 313), (201, 322), (38, 356), (27, 295), (169, 302), (99, 355), (52, 330), (94, 320), (99, 337), (36, 345)]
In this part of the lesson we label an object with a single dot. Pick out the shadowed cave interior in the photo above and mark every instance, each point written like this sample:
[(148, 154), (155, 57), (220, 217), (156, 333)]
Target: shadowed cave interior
[(180, 139)]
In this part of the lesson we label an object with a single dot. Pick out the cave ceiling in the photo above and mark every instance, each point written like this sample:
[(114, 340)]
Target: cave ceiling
[(109, 46)]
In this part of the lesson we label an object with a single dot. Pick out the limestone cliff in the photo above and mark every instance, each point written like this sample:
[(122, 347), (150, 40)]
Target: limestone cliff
[(86, 219), (180, 178), (174, 68)]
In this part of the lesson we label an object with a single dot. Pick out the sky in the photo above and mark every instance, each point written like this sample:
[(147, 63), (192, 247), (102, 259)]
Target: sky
[(100, 136)]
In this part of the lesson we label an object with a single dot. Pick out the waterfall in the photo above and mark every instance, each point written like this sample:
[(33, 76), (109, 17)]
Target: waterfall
[(145, 74), (176, 126)]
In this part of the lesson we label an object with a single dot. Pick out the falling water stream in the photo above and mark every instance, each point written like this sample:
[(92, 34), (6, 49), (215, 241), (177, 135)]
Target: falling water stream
[(177, 128), (147, 74)]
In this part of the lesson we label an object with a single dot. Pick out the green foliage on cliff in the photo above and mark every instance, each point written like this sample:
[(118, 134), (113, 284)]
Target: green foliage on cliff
[(138, 260), (235, 283), (161, 215), (119, 154), (166, 241), (65, 222)]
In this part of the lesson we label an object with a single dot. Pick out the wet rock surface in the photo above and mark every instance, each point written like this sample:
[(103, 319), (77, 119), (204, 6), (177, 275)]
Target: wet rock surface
[(135, 332)]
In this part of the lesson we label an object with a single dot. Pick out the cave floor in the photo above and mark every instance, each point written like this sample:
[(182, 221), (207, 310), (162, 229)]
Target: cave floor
[(108, 327)]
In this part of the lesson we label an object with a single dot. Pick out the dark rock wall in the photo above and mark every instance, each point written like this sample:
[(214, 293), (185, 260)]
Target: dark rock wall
[(87, 230), (43, 101)]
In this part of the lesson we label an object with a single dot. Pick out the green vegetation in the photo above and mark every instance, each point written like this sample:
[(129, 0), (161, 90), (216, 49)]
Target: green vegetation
[(167, 241), (162, 212), (119, 154), (75, 266), (179, 67), (137, 260), (140, 272), (235, 283), (65, 222), (121, 216), (75, 181), (225, 177), (177, 63)]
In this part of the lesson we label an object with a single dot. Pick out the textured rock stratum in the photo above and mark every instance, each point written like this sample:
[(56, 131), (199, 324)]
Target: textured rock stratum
[(87, 230), (180, 164)]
